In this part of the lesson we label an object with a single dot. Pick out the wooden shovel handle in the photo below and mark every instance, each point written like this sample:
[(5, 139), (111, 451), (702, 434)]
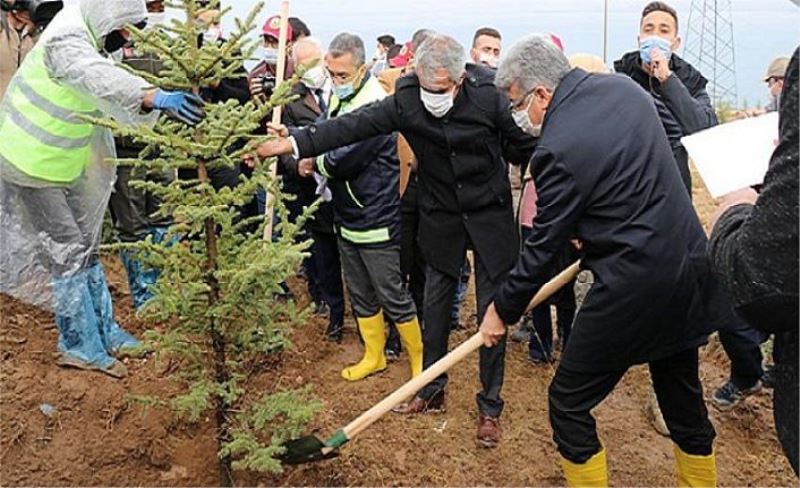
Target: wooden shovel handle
[(465, 349)]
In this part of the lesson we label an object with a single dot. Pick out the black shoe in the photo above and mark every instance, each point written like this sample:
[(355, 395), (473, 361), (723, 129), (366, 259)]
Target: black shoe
[(393, 348), (334, 331), (322, 309), (729, 395), (768, 378)]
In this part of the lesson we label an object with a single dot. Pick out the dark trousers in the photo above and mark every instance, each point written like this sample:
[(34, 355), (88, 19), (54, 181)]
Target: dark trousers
[(412, 263), (676, 381), (325, 254), (372, 276), (742, 344), (440, 289), (133, 209)]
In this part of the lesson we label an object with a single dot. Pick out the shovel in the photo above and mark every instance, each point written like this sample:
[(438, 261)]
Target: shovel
[(310, 448)]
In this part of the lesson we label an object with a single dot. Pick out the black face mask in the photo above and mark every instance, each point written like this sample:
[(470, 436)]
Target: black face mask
[(114, 42)]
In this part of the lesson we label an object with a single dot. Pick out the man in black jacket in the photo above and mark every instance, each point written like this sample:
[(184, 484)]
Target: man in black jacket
[(310, 105), (459, 127), (677, 88), (615, 187), (753, 250), (679, 93)]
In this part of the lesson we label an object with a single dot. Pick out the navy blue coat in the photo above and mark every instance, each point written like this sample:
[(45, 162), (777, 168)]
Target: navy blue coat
[(604, 172)]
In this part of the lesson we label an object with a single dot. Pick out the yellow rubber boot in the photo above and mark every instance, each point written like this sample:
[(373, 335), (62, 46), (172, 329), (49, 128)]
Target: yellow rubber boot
[(374, 335), (694, 471), (411, 337), (591, 473)]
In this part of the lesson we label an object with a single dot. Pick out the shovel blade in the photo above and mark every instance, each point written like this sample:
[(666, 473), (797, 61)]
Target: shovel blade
[(307, 449)]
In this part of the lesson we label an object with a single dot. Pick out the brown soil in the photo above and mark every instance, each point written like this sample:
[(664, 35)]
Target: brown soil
[(96, 439)]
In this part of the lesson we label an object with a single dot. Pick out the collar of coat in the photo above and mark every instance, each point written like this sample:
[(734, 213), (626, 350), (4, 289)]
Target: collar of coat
[(630, 64), (569, 83)]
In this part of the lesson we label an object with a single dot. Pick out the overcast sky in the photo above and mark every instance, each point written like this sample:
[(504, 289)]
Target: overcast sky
[(763, 29)]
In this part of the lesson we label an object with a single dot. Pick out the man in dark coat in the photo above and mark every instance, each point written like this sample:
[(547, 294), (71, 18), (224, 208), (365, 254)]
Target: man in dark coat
[(459, 127), (324, 269), (753, 250), (604, 172)]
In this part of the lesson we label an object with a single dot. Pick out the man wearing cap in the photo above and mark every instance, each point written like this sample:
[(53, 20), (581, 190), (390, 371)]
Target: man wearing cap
[(460, 128), (774, 79), (262, 78)]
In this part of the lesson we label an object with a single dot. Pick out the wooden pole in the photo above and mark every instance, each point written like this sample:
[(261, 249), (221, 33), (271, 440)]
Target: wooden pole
[(277, 111)]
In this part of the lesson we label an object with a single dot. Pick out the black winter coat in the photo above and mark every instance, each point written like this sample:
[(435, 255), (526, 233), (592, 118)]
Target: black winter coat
[(754, 248), (604, 172), (682, 103), (300, 113), (464, 192)]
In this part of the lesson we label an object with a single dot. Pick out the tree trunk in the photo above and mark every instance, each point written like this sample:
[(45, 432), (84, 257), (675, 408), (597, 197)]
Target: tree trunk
[(217, 342)]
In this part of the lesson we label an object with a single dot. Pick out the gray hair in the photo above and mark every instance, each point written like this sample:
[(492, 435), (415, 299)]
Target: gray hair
[(420, 37), (306, 43), (439, 52), (346, 43), (533, 61)]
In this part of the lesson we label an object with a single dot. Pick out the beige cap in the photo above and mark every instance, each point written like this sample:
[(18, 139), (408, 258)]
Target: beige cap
[(588, 62), (777, 68)]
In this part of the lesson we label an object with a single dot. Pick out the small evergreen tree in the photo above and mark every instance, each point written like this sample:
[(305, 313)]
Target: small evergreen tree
[(219, 278)]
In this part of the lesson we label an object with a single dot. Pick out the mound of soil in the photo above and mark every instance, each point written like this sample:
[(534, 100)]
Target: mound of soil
[(95, 437)]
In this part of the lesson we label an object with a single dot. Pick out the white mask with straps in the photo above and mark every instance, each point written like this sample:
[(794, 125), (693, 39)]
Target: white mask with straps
[(523, 120), (437, 104), (315, 78)]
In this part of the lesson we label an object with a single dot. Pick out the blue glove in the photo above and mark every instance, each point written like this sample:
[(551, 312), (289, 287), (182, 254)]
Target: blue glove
[(182, 106)]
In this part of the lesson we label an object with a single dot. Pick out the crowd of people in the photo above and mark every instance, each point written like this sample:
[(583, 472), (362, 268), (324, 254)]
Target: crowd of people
[(410, 152)]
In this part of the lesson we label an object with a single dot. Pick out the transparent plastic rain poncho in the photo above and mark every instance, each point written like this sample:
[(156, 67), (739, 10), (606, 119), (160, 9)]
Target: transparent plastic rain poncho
[(34, 251)]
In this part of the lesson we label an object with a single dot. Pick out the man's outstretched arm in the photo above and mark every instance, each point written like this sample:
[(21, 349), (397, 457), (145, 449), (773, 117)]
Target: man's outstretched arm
[(369, 121)]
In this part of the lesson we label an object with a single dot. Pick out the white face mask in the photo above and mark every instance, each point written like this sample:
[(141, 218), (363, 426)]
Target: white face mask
[(523, 121), (271, 55), (315, 78), (212, 34), (154, 19), (489, 60), (438, 104)]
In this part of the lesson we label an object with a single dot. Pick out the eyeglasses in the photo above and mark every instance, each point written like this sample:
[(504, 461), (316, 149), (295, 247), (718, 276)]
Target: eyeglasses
[(342, 77), (772, 81)]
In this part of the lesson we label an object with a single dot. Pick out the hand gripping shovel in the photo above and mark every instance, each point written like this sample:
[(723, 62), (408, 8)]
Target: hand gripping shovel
[(311, 448)]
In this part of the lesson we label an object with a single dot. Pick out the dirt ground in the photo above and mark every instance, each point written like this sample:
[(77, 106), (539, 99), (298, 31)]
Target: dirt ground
[(94, 439)]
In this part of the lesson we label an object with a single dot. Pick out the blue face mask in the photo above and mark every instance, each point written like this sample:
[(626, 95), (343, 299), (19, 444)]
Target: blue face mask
[(345, 91), (654, 42)]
